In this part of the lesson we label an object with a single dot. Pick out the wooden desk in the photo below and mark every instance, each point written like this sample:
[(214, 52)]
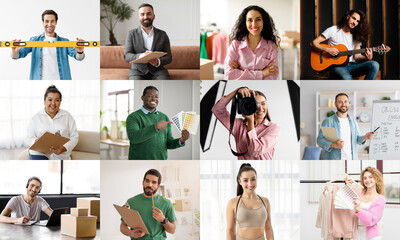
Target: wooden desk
[(12, 231)]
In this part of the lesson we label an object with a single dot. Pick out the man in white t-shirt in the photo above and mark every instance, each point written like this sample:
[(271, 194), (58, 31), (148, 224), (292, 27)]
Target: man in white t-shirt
[(49, 63), (345, 148), (26, 207), (352, 30)]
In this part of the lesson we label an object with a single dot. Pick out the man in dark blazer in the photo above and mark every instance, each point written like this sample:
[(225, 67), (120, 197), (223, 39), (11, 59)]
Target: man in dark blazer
[(144, 40)]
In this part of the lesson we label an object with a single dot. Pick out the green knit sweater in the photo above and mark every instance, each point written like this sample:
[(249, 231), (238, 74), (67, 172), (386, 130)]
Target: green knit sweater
[(146, 142)]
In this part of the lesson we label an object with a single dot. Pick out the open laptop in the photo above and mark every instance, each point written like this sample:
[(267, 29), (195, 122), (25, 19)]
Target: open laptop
[(55, 218)]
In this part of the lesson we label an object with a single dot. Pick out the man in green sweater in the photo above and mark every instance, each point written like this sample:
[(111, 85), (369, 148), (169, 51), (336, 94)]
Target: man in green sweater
[(149, 130), (156, 212)]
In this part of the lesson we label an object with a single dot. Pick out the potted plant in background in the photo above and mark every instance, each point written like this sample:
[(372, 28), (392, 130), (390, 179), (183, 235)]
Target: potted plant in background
[(112, 12)]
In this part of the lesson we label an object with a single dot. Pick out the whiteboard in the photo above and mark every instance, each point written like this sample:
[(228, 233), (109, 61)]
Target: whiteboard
[(385, 145)]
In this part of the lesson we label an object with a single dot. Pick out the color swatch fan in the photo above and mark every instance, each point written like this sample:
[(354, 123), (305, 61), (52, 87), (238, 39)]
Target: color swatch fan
[(344, 198), (186, 121)]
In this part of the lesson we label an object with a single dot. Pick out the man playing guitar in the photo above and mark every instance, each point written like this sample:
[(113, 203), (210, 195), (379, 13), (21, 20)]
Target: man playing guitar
[(351, 31)]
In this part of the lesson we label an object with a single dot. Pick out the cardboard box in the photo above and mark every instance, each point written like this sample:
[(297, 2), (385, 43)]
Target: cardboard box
[(79, 212), (74, 226), (92, 203), (206, 69), (182, 205), (287, 43)]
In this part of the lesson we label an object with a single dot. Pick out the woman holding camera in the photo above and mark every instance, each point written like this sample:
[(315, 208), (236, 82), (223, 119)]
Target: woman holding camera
[(248, 215), (54, 120), (255, 135), (253, 53), (369, 208)]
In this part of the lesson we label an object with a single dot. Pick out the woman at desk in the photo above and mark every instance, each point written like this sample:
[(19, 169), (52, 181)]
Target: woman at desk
[(255, 136), (253, 53), (248, 215), (54, 120), (369, 208)]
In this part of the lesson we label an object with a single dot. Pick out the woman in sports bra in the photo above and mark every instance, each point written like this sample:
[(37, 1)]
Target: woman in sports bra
[(248, 215), (369, 208)]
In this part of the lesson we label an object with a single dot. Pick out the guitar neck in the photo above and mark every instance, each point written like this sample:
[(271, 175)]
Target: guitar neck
[(352, 52)]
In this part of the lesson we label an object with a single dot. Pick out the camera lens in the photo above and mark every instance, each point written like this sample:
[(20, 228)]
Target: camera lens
[(247, 106)]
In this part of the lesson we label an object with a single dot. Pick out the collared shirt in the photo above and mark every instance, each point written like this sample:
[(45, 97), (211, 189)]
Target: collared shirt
[(251, 63), (145, 111), (62, 58), (148, 41), (63, 123), (263, 137), (335, 153)]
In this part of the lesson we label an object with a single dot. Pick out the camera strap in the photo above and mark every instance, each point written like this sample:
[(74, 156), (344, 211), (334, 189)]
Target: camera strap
[(232, 121)]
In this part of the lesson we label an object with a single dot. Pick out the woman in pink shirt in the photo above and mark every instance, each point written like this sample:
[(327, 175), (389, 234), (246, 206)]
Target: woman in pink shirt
[(256, 135), (253, 53), (369, 208)]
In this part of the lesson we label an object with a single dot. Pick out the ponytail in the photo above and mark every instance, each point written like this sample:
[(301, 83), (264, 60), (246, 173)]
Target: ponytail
[(243, 168)]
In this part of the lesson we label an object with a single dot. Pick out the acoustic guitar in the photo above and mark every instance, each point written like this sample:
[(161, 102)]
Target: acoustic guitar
[(321, 60)]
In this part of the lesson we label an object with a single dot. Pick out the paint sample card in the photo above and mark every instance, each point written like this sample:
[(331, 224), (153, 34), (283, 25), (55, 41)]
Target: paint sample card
[(186, 121), (344, 198)]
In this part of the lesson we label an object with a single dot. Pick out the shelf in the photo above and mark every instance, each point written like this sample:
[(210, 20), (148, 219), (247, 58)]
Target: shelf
[(364, 123)]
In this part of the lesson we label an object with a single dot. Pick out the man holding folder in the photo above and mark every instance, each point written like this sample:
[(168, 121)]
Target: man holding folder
[(146, 40), (346, 127), (156, 211)]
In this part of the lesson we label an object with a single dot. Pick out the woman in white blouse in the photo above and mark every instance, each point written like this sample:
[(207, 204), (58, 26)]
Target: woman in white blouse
[(52, 119)]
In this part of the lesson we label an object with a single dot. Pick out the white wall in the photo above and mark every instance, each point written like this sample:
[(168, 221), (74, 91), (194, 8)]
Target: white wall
[(308, 96), (285, 13), (76, 18), (175, 96), (121, 180), (326, 170), (178, 18), (280, 110)]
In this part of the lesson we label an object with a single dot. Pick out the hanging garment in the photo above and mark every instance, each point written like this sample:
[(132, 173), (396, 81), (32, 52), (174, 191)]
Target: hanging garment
[(209, 45), (343, 222), (324, 212), (220, 48), (203, 50)]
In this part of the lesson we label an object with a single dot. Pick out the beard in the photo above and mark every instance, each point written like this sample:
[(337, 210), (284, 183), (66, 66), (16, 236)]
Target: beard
[(149, 191), (342, 111), (147, 24)]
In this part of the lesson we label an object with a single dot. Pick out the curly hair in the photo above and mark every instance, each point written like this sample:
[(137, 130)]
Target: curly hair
[(362, 30), (380, 186), (239, 31)]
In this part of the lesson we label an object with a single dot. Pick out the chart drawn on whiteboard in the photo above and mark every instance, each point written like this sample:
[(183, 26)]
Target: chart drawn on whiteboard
[(385, 145)]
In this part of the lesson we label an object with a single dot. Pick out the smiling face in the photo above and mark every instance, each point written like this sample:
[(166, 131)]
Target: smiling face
[(248, 181), (49, 24), (353, 20), (146, 16), (342, 103), (369, 180), (52, 103), (150, 185), (262, 107), (150, 100), (254, 22), (34, 187)]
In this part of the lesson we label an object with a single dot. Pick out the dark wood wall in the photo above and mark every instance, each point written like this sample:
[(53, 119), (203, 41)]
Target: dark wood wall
[(383, 16)]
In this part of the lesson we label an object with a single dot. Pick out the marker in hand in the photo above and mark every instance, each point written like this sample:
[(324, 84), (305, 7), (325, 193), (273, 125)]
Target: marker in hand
[(376, 129)]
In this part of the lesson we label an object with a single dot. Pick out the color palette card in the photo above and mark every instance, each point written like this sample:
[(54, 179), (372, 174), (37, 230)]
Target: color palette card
[(344, 198), (186, 121)]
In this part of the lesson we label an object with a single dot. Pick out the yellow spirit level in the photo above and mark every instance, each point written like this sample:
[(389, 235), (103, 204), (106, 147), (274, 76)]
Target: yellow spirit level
[(49, 44)]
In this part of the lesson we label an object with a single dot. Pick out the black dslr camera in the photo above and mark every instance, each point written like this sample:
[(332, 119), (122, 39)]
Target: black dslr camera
[(246, 106)]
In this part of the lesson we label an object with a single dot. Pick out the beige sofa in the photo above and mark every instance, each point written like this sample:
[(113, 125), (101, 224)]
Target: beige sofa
[(88, 147), (185, 63)]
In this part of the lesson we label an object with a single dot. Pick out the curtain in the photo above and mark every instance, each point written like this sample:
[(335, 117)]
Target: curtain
[(276, 180), (21, 99)]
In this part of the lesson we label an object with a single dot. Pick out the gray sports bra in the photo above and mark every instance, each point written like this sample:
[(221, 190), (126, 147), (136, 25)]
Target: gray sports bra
[(245, 217)]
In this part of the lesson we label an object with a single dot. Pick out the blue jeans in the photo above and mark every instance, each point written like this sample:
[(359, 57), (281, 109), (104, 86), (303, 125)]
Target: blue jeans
[(368, 68), (37, 157)]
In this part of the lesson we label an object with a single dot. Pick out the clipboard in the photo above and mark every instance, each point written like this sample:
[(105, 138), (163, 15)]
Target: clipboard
[(149, 56), (46, 141), (330, 134), (132, 218)]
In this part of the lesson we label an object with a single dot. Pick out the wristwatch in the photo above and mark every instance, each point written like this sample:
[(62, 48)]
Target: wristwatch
[(165, 221)]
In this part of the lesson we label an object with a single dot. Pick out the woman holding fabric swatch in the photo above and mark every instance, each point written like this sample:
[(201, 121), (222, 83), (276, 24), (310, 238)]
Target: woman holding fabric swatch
[(255, 135), (369, 208), (54, 120), (248, 215), (253, 53)]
